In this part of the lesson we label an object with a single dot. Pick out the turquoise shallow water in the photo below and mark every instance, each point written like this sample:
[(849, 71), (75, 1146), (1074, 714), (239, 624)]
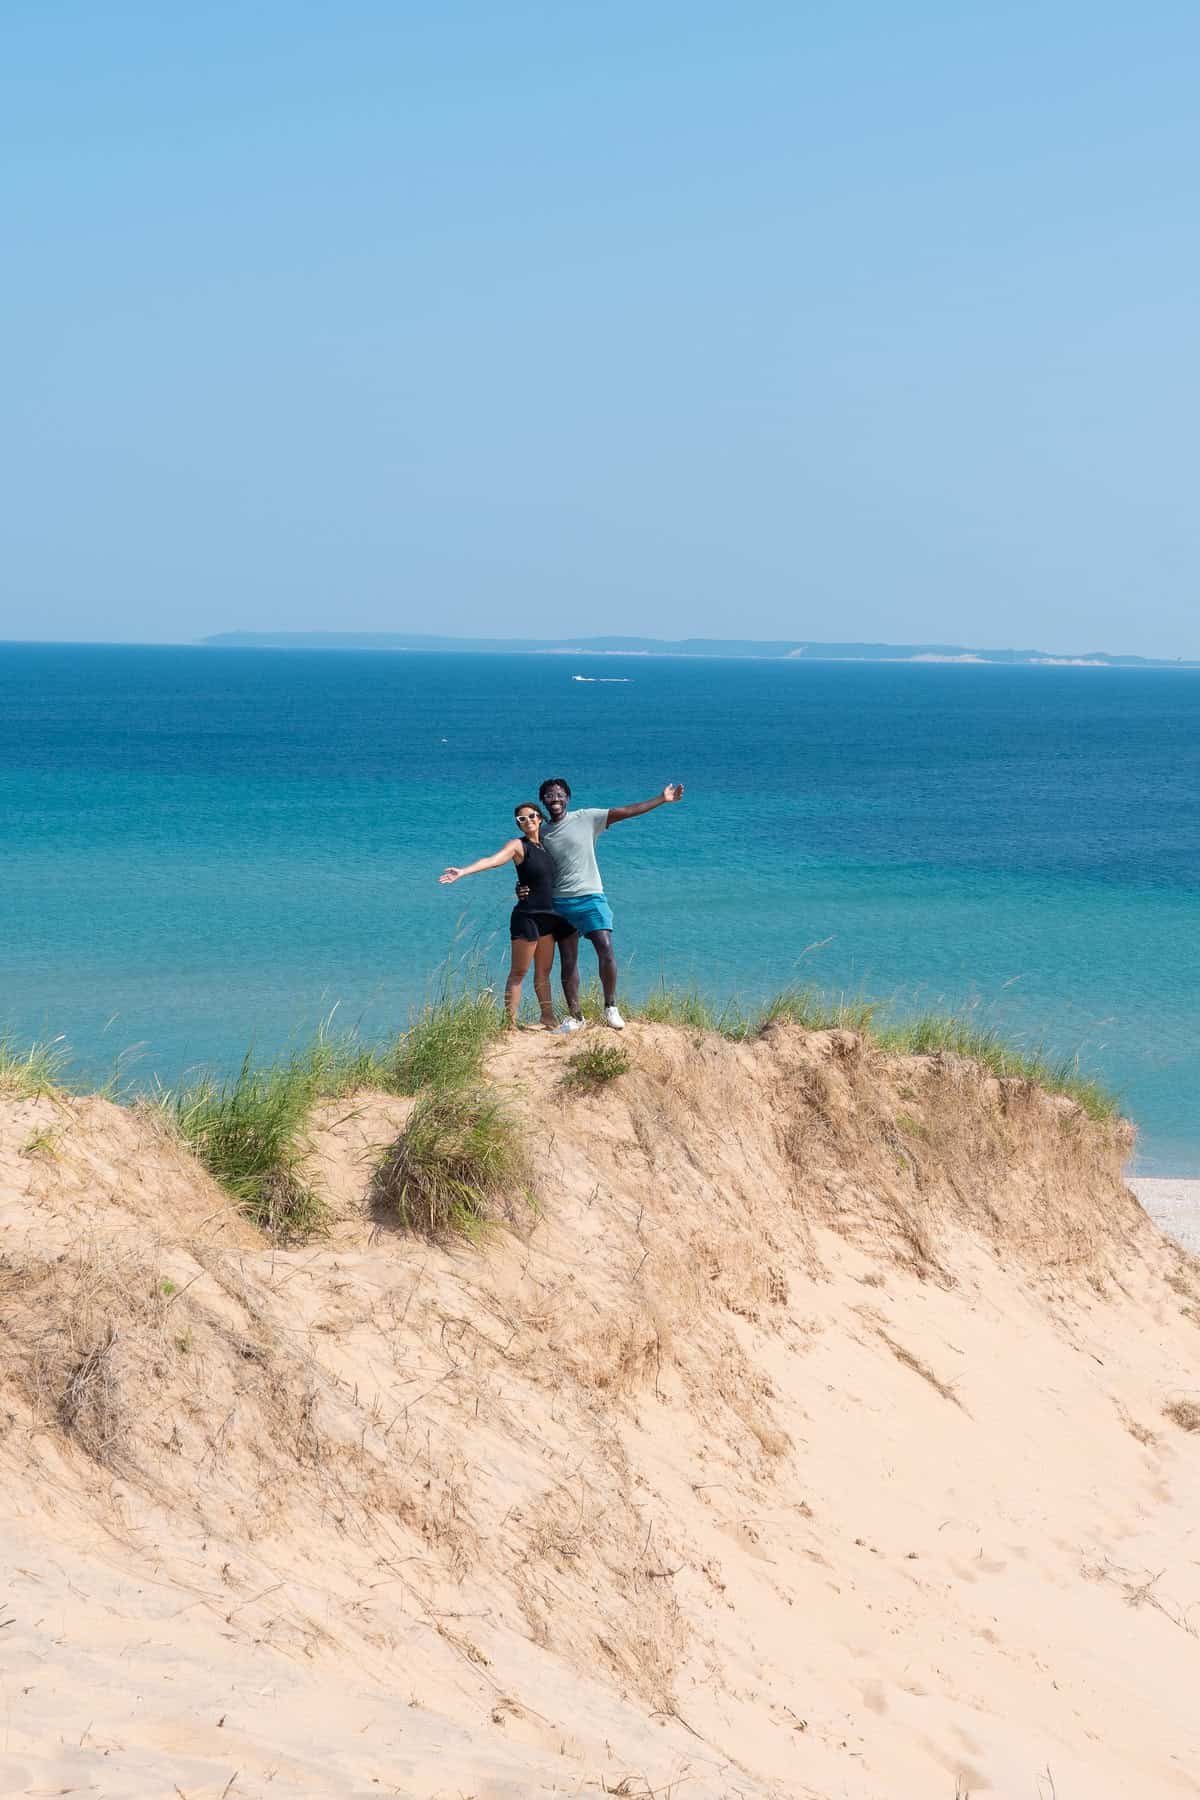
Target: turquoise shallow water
[(205, 849)]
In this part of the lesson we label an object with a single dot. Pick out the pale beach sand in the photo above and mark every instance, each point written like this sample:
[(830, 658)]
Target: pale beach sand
[(1174, 1205), (829, 1431)]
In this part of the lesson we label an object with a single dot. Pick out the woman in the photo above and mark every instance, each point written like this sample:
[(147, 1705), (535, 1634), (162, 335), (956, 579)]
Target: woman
[(534, 927)]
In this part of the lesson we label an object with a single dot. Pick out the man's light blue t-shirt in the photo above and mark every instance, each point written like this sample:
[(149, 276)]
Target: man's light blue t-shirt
[(572, 847)]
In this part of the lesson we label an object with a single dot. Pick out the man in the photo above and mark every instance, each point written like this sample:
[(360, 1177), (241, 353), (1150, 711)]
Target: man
[(579, 895)]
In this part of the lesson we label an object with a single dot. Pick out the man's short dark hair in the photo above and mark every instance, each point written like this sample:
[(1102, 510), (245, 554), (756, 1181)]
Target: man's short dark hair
[(554, 781)]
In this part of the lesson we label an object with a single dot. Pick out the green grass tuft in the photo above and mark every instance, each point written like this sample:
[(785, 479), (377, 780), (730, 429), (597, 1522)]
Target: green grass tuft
[(247, 1133), (444, 1048), (814, 1011), (682, 1006), (460, 1152), (595, 1066), (42, 1143), (37, 1069)]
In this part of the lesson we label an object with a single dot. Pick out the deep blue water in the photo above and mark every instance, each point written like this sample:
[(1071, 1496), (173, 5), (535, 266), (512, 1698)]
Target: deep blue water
[(204, 849)]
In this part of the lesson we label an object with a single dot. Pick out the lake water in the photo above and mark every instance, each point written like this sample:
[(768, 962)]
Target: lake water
[(205, 849)]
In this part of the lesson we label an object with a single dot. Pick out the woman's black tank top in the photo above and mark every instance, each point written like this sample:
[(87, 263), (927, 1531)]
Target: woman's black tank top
[(536, 872)]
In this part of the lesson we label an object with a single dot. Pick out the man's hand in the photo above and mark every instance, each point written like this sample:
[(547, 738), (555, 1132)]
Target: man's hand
[(449, 875), (522, 892), (672, 792)]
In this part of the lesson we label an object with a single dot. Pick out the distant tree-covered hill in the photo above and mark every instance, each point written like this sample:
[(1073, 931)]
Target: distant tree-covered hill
[(640, 646)]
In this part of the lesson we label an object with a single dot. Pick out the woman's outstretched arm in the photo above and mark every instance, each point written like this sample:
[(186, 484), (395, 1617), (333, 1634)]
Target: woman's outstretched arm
[(508, 854)]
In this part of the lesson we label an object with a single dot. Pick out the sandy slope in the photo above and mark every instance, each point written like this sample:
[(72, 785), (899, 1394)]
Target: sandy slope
[(824, 1433)]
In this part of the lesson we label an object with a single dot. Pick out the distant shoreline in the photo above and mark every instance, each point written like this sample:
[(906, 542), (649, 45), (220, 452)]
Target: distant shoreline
[(1173, 1202), (694, 649), (652, 650)]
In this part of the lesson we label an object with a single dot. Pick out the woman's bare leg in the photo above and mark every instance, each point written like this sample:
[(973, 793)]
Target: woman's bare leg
[(522, 956), (543, 965)]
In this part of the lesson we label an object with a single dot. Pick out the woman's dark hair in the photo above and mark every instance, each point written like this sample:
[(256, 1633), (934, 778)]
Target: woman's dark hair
[(555, 781), (522, 804)]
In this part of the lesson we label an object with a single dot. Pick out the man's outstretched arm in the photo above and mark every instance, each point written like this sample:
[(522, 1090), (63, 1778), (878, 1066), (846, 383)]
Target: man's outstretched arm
[(672, 792)]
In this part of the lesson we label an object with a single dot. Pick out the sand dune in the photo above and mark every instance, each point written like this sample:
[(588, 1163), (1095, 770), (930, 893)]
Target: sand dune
[(829, 1429)]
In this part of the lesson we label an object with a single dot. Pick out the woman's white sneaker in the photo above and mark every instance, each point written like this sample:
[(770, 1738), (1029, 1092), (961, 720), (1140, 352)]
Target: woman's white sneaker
[(613, 1017), (570, 1024)]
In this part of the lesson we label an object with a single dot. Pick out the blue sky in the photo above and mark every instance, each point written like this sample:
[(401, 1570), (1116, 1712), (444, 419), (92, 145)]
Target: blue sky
[(843, 321)]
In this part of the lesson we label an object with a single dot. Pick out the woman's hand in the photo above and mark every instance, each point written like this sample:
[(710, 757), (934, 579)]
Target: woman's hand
[(449, 875), (672, 792)]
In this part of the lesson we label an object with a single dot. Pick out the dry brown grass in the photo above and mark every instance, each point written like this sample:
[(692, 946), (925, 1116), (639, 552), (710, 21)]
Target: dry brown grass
[(920, 1368), (1140, 1433), (908, 1148), (458, 1159), (71, 1327), (1140, 1588), (469, 1432), (1184, 1413)]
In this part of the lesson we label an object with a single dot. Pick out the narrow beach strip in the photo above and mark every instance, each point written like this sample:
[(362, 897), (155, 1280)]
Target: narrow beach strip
[(1174, 1205)]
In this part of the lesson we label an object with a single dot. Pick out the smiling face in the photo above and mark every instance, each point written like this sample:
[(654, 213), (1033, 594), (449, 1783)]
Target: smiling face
[(529, 819), (556, 798)]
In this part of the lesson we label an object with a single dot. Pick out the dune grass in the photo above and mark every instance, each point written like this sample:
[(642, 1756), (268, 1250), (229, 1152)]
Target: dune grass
[(952, 1034), (665, 1005), (692, 1010), (596, 1065), (684, 1006), (960, 1035), (38, 1068), (451, 1037), (461, 1149), (458, 1155), (462, 1146), (884, 1024), (815, 1011), (444, 1047), (247, 1131)]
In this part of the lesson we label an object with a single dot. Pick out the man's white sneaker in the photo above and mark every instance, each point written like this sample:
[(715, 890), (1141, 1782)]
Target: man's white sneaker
[(612, 1017), (570, 1024)]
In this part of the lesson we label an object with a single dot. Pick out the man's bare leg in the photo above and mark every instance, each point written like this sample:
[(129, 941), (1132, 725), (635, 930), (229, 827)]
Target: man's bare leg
[(568, 972), (606, 963)]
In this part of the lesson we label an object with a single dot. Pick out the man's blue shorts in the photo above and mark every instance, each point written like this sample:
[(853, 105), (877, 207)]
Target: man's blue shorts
[(586, 912)]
